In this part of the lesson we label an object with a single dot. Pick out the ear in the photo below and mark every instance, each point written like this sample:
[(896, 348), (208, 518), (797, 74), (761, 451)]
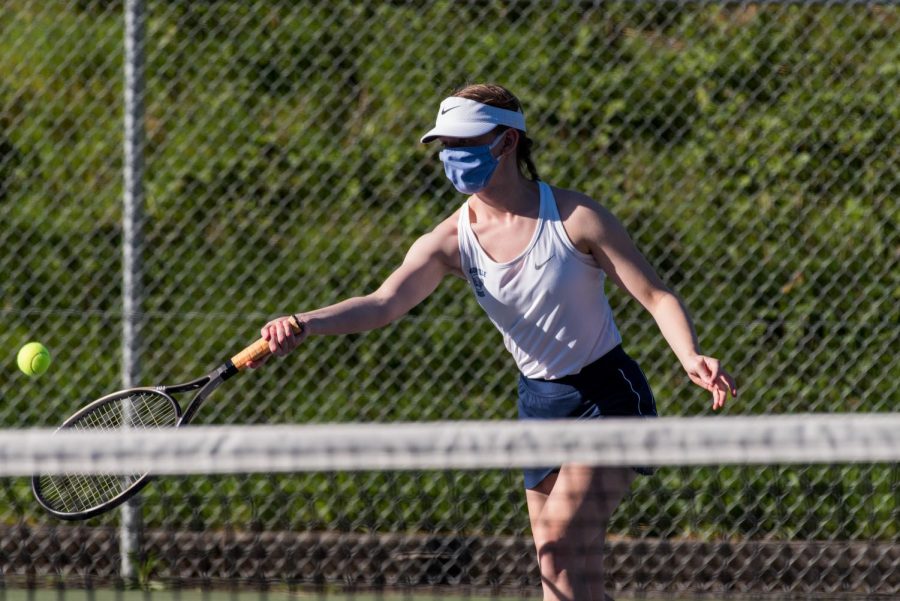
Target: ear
[(510, 141)]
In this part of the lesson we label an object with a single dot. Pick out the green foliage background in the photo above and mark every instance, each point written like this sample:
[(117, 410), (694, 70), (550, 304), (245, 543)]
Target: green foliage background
[(750, 150)]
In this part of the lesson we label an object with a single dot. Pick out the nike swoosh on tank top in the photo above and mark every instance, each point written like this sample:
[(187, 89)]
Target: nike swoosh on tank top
[(548, 302)]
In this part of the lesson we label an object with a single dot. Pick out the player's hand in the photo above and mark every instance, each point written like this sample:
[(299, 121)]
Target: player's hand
[(707, 373), (283, 337)]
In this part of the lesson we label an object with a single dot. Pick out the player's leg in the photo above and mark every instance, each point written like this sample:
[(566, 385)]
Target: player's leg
[(535, 499), (569, 512), (614, 484), (560, 549)]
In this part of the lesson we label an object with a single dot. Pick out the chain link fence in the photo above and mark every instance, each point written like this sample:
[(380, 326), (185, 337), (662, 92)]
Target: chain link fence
[(749, 148)]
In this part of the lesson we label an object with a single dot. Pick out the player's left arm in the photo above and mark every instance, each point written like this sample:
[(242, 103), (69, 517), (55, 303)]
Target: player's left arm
[(596, 230)]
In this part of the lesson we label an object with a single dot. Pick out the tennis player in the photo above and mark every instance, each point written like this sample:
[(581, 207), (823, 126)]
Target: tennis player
[(535, 257)]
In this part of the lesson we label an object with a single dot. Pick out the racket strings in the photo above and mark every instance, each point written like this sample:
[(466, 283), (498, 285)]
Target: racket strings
[(71, 493)]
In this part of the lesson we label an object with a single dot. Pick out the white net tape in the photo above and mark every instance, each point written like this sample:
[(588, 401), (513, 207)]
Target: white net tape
[(781, 439)]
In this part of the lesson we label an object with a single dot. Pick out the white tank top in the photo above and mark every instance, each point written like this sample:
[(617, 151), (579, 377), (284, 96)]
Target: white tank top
[(548, 302)]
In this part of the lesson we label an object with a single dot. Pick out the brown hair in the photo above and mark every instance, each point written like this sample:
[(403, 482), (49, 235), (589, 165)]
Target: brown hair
[(500, 97)]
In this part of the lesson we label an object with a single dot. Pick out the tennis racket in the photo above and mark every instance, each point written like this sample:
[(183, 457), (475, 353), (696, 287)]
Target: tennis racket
[(81, 496)]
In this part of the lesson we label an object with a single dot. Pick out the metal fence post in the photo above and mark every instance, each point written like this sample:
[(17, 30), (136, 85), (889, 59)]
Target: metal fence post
[(135, 21)]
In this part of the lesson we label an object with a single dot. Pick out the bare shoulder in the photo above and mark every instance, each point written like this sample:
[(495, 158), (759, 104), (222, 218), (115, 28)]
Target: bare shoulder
[(448, 227), (584, 218), (440, 244), (444, 235)]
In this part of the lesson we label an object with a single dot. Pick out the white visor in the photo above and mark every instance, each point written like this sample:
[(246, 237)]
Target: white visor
[(464, 118)]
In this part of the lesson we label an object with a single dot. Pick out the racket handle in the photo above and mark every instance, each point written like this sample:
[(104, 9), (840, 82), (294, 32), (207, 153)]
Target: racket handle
[(260, 349)]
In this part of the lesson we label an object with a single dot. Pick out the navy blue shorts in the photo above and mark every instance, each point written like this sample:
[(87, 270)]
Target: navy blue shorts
[(611, 386)]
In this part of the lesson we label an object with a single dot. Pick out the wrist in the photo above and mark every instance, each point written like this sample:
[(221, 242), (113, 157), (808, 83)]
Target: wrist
[(689, 358), (302, 323)]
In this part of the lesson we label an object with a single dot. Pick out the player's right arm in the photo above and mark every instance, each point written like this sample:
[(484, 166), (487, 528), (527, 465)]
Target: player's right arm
[(413, 281), (431, 258)]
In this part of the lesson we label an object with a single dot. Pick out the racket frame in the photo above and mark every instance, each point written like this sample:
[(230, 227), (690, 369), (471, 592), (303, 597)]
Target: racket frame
[(255, 352), (206, 385)]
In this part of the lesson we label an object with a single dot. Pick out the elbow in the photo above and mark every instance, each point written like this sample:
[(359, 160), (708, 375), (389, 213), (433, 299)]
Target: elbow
[(384, 310), (659, 299)]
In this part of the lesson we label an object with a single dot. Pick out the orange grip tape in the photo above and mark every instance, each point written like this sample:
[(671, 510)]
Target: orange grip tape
[(260, 349)]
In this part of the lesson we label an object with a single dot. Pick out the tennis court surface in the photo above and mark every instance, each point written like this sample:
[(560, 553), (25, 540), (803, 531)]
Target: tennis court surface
[(393, 511), (194, 595)]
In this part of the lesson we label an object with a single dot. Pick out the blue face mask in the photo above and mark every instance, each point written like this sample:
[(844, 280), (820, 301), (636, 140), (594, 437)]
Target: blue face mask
[(470, 168)]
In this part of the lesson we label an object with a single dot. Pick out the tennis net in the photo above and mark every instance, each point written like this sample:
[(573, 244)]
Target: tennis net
[(788, 504)]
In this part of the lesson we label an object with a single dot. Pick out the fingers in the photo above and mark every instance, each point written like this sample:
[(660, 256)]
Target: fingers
[(708, 373), (710, 368), (281, 337), (729, 383), (720, 389), (719, 395), (713, 376), (258, 363)]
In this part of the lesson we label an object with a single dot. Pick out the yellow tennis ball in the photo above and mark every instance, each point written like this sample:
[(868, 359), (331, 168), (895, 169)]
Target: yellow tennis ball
[(33, 359)]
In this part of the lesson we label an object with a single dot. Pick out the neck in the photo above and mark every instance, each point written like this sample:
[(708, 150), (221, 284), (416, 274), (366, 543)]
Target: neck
[(510, 193)]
